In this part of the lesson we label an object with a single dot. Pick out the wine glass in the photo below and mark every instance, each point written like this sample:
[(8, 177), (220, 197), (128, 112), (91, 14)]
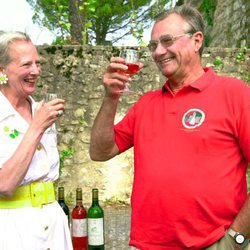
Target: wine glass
[(49, 97), (131, 57)]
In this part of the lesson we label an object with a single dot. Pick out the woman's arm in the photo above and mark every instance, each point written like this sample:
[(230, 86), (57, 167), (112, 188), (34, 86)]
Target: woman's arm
[(16, 167)]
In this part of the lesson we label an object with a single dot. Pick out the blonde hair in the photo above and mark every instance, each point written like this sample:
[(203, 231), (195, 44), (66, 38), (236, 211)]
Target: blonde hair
[(7, 38)]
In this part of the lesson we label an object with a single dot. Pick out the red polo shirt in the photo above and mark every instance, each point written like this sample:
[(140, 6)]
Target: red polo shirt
[(191, 152)]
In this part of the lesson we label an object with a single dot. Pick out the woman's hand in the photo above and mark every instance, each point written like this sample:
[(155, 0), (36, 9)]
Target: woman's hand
[(47, 113)]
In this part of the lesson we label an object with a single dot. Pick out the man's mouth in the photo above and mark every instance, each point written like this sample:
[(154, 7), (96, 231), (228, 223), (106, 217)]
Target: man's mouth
[(165, 60)]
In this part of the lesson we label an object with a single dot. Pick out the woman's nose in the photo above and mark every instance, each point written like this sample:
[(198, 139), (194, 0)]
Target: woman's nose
[(36, 69)]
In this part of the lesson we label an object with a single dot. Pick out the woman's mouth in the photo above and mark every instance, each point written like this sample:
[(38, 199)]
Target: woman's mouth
[(30, 80)]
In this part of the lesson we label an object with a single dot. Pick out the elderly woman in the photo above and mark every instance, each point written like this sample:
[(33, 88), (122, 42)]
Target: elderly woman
[(30, 218)]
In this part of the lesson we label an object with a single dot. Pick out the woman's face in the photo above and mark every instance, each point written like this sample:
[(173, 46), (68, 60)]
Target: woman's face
[(24, 68)]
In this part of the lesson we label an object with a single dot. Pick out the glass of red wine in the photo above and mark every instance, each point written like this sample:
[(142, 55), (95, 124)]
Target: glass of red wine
[(131, 57)]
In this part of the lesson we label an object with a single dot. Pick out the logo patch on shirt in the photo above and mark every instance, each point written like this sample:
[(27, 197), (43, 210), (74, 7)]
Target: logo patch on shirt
[(193, 118)]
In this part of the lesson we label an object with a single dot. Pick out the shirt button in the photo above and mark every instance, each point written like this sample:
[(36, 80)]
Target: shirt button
[(39, 147)]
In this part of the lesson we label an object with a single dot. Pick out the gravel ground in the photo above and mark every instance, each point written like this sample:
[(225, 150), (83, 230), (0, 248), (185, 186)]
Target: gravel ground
[(117, 227)]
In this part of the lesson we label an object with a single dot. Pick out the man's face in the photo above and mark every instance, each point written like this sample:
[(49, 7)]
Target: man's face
[(174, 58)]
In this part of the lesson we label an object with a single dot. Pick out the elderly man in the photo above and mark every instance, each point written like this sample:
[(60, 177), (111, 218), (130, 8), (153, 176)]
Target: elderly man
[(191, 144)]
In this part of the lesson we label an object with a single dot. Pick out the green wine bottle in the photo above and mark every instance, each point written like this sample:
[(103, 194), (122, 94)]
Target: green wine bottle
[(95, 217)]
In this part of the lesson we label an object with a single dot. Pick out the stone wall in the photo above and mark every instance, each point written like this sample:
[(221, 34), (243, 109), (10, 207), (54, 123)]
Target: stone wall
[(230, 25), (76, 73)]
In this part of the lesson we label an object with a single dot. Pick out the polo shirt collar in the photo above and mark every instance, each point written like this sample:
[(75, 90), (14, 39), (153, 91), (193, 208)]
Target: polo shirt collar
[(201, 83)]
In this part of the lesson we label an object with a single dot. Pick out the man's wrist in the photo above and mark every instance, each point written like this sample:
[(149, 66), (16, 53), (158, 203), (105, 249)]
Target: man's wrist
[(238, 238)]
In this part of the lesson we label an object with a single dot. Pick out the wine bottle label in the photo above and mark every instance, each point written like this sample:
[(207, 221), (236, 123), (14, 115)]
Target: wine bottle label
[(79, 227), (95, 231)]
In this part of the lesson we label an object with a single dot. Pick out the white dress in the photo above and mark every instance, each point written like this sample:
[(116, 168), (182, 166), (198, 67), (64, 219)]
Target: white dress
[(31, 228)]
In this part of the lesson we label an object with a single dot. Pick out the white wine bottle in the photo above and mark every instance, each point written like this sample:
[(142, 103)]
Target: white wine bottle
[(95, 218)]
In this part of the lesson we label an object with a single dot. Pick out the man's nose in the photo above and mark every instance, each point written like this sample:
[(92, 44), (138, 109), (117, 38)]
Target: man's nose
[(160, 49)]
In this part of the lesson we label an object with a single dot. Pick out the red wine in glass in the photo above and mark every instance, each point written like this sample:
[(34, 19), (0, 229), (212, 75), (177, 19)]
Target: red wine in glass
[(132, 68), (131, 57)]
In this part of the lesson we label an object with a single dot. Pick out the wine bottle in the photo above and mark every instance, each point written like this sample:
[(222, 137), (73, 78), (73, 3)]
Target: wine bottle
[(95, 217), (79, 224), (62, 203)]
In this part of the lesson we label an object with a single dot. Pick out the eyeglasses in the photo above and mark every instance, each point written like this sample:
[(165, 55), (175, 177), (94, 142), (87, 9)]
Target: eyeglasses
[(166, 41)]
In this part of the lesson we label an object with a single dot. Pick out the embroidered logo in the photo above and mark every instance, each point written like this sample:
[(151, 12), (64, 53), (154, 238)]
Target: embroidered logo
[(193, 118)]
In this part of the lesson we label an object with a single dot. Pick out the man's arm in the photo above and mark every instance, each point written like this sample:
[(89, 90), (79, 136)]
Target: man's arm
[(102, 142), (242, 221)]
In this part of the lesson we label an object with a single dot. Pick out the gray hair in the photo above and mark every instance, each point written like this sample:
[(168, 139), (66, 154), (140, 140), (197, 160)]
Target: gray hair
[(6, 39), (191, 15)]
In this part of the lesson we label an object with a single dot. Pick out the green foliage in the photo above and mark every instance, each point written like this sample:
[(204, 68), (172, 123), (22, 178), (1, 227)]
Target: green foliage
[(81, 120), (208, 7), (241, 57), (66, 153), (63, 154), (206, 40), (217, 62), (93, 20)]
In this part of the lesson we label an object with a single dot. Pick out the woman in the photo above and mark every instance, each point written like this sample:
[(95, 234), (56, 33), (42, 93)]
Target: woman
[(30, 218)]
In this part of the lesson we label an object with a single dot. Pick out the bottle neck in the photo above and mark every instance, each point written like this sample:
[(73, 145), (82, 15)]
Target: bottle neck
[(95, 199), (95, 202), (79, 197), (79, 203), (61, 194)]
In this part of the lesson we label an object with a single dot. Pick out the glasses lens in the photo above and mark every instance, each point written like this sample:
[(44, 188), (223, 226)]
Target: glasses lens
[(152, 46), (167, 40)]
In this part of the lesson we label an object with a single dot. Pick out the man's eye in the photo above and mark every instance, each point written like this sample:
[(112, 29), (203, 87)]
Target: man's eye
[(166, 40)]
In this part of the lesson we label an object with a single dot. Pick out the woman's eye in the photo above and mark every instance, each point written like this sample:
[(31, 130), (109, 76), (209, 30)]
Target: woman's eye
[(26, 64)]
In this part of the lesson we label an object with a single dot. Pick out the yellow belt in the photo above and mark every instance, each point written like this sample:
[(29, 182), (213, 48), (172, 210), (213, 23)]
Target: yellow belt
[(34, 194)]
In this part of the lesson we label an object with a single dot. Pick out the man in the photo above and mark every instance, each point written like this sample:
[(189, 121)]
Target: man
[(191, 143)]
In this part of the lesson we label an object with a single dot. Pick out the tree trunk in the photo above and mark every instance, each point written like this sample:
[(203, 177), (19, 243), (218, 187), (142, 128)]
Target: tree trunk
[(77, 21)]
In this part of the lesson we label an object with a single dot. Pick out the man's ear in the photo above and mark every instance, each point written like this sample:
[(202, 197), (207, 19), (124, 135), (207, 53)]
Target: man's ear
[(198, 40)]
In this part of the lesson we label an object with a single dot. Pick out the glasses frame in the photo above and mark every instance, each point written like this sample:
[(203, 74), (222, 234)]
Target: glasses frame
[(166, 40)]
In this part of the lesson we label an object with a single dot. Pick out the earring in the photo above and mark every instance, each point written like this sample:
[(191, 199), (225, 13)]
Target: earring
[(3, 78)]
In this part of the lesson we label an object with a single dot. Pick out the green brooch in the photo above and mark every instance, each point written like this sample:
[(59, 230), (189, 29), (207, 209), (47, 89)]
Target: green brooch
[(12, 133)]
